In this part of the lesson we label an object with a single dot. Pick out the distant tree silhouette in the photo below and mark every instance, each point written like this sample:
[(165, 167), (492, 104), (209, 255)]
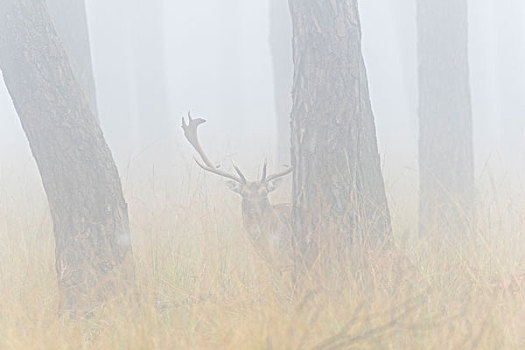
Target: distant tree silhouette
[(446, 161)]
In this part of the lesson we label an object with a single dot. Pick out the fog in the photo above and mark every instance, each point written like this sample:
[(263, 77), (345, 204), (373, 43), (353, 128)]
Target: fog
[(152, 63), (218, 65)]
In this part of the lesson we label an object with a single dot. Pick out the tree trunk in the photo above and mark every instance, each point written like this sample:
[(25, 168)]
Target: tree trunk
[(110, 34), (70, 22), (446, 163), (337, 186), (511, 56), (149, 70), (93, 245), (282, 59)]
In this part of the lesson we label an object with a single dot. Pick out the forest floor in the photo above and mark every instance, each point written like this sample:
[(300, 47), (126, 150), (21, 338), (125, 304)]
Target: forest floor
[(203, 287)]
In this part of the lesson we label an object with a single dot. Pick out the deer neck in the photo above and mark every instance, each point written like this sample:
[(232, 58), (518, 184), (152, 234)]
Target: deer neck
[(256, 215)]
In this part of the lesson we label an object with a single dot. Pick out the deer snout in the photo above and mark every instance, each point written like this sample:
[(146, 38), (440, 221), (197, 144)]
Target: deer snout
[(255, 206)]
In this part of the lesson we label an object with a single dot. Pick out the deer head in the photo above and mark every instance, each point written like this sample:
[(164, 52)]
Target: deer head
[(254, 193)]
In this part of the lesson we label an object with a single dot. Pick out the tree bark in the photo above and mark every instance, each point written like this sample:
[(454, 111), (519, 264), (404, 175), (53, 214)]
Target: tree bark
[(337, 186), (282, 59), (446, 161), (70, 22), (93, 245)]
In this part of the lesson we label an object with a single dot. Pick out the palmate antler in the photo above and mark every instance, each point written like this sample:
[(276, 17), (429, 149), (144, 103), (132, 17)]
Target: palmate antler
[(190, 132)]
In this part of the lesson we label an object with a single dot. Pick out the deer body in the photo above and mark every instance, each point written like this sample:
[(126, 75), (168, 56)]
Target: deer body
[(267, 227)]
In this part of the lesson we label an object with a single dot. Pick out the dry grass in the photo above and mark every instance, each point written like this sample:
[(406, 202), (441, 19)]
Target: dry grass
[(202, 286)]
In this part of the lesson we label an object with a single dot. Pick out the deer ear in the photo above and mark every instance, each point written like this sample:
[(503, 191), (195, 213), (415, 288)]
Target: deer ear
[(272, 185), (234, 186)]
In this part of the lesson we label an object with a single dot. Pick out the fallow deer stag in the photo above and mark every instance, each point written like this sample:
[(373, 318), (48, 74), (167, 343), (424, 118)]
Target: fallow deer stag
[(267, 226)]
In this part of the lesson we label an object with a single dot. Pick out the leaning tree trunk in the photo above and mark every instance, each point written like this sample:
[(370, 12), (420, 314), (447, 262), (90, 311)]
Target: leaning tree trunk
[(70, 22), (446, 162), (282, 59), (93, 246), (338, 186)]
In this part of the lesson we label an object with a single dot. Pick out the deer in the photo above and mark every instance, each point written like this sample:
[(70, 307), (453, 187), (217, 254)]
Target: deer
[(267, 226)]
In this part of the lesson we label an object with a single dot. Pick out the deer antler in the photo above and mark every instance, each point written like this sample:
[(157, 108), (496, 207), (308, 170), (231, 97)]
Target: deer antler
[(190, 132), (276, 176), (239, 172), (263, 177), (266, 179)]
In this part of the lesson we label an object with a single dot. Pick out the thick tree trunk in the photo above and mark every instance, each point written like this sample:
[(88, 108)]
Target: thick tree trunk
[(282, 59), (338, 186), (70, 22), (93, 246), (149, 70), (445, 117)]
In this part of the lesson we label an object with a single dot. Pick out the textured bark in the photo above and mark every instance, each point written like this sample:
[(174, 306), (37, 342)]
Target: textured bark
[(337, 186), (93, 246), (149, 69), (282, 60), (70, 22), (445, 117)]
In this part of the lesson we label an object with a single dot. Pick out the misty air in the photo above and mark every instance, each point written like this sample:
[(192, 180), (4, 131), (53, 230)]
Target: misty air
[(280, 174)]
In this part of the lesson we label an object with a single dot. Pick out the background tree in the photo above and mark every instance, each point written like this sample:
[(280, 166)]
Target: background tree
[(70, 22), (93, 246), (510, 53), (446, 163), (282, 60), (149, 70), (109, 24), (338, 185)]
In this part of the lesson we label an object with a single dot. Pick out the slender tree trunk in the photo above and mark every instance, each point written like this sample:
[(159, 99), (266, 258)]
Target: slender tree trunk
[(403, 13), (70, 22), (337, 185), (445, 117), (511, 57), (230, 57), (93, 246), (110, 34), (282, 59), (149, 70)]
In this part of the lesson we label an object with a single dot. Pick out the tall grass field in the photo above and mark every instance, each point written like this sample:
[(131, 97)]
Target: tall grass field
[(202, 286)]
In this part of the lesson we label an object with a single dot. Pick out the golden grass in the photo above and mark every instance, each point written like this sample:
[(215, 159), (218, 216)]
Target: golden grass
[(202, 286)]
